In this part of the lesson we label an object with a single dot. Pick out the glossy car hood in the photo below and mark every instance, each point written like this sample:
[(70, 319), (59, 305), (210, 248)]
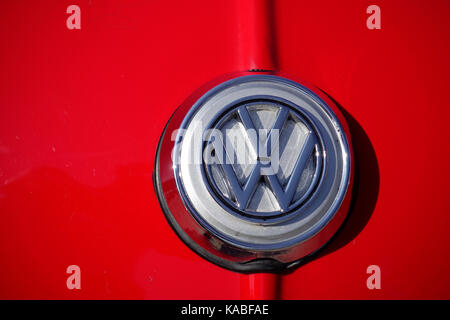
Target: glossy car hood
[(81, 113)]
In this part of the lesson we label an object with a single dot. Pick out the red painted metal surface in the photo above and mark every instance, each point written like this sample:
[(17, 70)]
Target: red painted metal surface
[(255, 36), (260, 286), (81, 112)]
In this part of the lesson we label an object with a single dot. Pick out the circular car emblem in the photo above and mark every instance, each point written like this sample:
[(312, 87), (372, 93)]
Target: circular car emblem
[(255, 173), (255, 183)]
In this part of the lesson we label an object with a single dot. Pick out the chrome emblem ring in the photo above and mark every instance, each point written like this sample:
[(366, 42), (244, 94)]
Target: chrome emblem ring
[(257, 167)]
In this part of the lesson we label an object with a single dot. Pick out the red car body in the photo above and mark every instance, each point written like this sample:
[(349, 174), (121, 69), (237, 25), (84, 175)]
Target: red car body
[(81, 113)]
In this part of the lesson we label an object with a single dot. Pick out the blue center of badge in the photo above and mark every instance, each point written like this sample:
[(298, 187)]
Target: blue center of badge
[(262, 159)]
